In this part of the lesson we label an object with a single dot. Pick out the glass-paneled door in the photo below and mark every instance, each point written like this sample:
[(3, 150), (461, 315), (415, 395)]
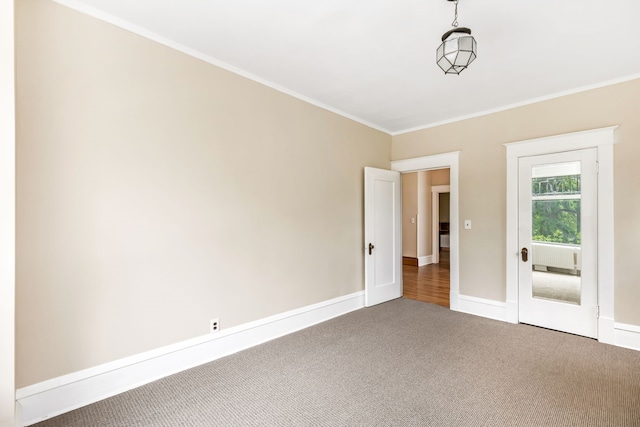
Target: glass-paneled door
[(558, 241)]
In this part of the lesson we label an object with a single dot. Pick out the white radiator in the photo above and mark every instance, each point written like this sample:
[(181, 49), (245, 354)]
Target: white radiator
[(557, 256)]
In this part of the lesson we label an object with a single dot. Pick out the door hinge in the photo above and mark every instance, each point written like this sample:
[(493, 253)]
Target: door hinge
[(597, 167), (597, 311)]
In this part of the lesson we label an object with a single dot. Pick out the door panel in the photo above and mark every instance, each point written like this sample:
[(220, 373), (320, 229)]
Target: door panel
[(383, 236), (557, 234)]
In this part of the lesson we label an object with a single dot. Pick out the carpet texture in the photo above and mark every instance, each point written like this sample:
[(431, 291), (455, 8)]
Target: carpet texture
[(402, 363)]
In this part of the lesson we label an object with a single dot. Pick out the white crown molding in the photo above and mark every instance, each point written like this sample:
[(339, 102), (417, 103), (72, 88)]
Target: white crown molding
[(520, 104), (106, 17), (121, 23)]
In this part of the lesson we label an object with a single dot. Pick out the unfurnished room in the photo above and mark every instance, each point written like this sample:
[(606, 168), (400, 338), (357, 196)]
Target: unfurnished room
[(338, 213)]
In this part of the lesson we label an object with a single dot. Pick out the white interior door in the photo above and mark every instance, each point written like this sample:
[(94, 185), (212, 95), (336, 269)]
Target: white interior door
[(382, 236), (558, 240)]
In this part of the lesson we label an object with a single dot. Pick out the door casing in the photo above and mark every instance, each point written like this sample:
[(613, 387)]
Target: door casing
[(436, 190), (581, 318), (602, 139), (442, 161)]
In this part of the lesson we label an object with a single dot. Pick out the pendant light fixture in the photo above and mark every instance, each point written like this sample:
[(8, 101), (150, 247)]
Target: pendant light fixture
[(458, 48)]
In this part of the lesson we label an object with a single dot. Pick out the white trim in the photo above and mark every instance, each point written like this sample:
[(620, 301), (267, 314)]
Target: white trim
[(560, 143), (425, 260), (520, 104), (483, 307), (602, 139), (7, 214), (606, 330), (63, 394), (435, 229), (435, 219), (114, 20), (627, 327), (606, 247), (416, 164), (627, 336), (118, 22), (418, 228), (442, 161)]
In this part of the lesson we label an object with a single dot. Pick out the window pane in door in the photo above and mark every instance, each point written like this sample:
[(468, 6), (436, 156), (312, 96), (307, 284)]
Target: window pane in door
[(556, 245)]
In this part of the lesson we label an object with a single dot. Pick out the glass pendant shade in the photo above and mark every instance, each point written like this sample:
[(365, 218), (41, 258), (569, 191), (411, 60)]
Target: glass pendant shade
[(457, 51)]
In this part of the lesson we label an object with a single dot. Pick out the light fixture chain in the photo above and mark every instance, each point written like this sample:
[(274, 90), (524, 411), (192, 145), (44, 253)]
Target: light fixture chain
[(455, 19), (458, 48)]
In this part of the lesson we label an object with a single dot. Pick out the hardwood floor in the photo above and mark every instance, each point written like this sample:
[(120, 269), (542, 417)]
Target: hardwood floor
[(429, 283)]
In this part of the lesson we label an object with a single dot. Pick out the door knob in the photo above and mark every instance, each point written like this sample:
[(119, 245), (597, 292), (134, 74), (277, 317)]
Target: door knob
[(525, 254), (370, 248)]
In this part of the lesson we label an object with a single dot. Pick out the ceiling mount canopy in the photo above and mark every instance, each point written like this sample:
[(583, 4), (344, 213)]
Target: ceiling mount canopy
[(458, 48)]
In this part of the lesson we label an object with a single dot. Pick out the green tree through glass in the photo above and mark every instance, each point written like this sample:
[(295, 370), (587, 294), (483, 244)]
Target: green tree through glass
[(556, 219)]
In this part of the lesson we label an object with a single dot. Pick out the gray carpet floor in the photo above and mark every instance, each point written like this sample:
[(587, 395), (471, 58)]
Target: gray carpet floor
[(402, 363)]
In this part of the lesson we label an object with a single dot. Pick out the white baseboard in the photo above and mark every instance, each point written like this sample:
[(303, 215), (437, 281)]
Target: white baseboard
[(627, 336), (18, 417), (511, 311), (606, 330), (59, 395), (425, 260), (482, 307), (609, 332)]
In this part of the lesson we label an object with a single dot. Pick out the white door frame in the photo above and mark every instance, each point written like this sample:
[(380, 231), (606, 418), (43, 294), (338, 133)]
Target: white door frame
[(602, 139), (436, 190), (442, 161), (7, 216), (579, 318)]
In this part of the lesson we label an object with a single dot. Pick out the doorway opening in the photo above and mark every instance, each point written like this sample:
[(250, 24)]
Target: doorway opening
[(441, 161), (426, 236)]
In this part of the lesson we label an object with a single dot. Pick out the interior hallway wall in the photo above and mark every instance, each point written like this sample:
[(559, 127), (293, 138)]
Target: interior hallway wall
[(417, 205), (425, 214), (409, 214)]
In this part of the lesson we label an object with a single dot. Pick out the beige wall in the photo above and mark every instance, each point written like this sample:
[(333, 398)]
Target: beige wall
[(409, 213), (483, 173), (440, 177), (424, 213), (156, 191), (416, 203), (443, 204)]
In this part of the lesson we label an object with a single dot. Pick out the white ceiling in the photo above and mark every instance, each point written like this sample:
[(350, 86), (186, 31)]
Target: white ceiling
[(374, 60)]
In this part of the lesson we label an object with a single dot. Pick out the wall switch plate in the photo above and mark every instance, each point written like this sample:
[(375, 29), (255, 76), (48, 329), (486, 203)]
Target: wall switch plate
[(467, 224)]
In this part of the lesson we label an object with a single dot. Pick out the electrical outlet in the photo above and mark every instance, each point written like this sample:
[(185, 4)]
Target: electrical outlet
[(214, 325)]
